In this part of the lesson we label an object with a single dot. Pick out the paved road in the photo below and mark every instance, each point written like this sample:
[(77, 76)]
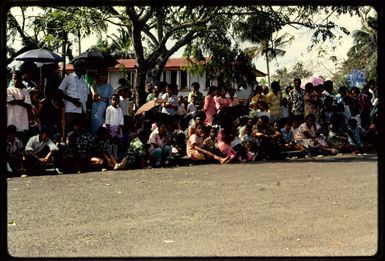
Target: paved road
[(309, 207)]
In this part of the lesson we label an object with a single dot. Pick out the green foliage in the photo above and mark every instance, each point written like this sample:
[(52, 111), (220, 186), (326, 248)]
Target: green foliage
[(286, 76), (362, 55)]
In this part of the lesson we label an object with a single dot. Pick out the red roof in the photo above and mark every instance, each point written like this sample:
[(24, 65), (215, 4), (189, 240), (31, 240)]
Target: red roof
[(172, 64)]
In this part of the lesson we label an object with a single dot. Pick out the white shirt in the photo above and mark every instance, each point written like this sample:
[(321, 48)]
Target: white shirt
[(114, 116), (75, 87), (17, 115), (34, 144), (191, 108), (173, 99)]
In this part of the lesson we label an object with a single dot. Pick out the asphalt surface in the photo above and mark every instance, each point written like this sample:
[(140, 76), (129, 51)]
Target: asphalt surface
[(304, 207)]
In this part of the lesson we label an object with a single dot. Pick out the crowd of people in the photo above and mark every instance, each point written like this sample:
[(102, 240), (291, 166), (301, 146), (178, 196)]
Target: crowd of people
[(73, 126)]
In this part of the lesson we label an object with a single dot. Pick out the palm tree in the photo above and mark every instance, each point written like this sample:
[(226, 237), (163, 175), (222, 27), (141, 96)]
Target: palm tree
[(259, 30), (121, 46), (269, 48), (363, 53)]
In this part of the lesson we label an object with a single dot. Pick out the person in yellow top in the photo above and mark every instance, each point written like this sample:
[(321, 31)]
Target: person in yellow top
[(273, 98), (257, 96)]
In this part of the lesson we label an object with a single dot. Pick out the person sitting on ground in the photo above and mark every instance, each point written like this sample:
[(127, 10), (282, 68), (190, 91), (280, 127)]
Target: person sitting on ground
[(198, 117), (338, 136), (66, 157), (103, 149), (159, 146), (15, 147), (355, 134), (84, 147), (268, 139), (40, 150), (210, 142), (196, 152), (287, 132), (306, 136), (136, 152), (246, 133)]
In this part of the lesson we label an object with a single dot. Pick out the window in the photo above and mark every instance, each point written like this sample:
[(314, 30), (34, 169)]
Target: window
[(183, 80)]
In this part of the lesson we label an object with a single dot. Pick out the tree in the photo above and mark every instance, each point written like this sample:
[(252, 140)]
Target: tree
[(121, 46), (227, 63), (286, 77), (362, 56), (18, 29), (159, 31)]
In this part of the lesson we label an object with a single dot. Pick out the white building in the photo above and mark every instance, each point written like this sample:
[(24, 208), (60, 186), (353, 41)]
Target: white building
[(174, 72)]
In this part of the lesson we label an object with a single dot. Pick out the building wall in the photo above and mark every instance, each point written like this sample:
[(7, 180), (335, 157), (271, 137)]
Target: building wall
[(113, 78)]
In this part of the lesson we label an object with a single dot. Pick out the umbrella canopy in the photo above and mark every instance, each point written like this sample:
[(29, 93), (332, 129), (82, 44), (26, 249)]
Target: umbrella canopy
[(97, 59), (149, 105), (39, 55), (315, 80)]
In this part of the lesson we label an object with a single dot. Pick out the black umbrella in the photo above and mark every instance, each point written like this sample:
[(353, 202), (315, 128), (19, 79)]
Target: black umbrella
[(39, 55), (96, 59)]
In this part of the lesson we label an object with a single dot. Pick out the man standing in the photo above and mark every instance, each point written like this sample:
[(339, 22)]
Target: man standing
[(296, 101), (74, 90), (18, 103)]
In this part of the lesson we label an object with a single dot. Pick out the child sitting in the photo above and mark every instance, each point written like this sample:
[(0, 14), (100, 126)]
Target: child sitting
[(102, 149), (354, 133), (136, 151), (287, 132), (194, 147), (14, 156)]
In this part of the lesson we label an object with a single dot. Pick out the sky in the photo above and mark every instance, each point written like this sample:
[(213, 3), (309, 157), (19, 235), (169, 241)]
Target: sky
[(297, 51)]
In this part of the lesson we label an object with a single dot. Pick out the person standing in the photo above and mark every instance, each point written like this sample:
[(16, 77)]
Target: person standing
[(114, 122), (19, 103), (199, 96), (274, 100), (209, 105), (101, 99), (296, 101), (75, 92)]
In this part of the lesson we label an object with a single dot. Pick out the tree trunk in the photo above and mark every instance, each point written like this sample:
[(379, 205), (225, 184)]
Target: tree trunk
[(141, 73), (268, 69)]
